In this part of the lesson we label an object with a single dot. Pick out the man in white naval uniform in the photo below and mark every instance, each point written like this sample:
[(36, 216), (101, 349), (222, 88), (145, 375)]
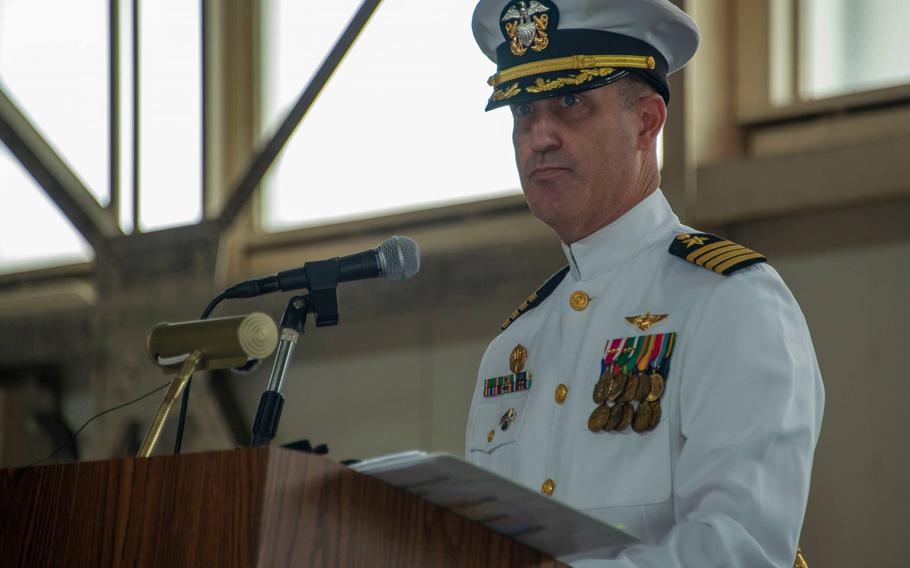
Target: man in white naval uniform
[(707, 459)]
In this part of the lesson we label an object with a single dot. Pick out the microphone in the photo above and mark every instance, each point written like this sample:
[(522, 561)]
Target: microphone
[(225, 343), (397, 258)]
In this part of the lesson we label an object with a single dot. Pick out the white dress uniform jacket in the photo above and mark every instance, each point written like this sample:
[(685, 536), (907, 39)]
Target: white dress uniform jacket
[(723, 479)]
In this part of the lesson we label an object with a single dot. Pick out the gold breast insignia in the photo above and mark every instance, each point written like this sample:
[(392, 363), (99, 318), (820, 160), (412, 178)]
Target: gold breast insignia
[(646, 320), (517, 358)]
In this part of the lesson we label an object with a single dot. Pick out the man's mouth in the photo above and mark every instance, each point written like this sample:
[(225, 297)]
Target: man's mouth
[(547, 172)]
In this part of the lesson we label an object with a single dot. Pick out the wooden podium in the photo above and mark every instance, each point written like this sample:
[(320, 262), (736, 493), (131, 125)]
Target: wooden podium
[(247, 507)]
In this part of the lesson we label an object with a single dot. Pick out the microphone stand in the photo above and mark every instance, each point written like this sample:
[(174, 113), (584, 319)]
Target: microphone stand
[(265, 426), (321, 301)]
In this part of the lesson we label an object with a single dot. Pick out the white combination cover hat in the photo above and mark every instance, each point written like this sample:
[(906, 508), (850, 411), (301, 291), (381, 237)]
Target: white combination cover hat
[(544, 48)]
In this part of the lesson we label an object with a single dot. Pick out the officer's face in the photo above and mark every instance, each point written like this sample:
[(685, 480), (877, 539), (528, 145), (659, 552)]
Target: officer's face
[(580, 158)]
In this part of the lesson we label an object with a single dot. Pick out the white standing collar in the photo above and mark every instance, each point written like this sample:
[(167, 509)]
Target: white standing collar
[(642, 226)]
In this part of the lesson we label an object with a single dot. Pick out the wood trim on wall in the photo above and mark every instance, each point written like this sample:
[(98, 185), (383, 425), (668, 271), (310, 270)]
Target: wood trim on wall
[(842, 176)]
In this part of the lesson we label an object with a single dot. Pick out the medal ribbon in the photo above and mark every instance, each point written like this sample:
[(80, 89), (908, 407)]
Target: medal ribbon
[(669, 340), (666, 361), (627, 349), (659, 356), (660, 343), (624, 353), (611, 350), (496, 386), (646, 354), (633, 359)]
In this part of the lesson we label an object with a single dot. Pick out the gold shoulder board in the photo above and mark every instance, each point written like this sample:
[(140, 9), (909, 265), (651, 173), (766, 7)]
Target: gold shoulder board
[(714, 253)]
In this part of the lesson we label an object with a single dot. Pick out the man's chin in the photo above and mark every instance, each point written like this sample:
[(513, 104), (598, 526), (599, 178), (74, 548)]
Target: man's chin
[(551, 216)]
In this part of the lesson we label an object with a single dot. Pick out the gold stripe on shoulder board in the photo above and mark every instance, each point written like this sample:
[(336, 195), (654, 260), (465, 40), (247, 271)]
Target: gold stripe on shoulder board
[(714, 253)]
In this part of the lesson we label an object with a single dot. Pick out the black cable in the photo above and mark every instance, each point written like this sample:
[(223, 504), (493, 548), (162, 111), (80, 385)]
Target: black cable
[(90, 420), (185, 400)]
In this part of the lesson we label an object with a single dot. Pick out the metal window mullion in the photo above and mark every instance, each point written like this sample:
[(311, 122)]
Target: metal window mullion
[(266, 156), (203, 110), (114, 94), (136, 99), (799, 61)]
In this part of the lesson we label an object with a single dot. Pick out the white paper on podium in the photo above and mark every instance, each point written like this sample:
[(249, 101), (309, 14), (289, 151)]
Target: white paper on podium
[(497, 503)]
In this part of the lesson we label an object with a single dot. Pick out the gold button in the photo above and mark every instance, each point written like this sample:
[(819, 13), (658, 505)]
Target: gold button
[(562, 391), (579, 301), (547, 487), (490, 436)]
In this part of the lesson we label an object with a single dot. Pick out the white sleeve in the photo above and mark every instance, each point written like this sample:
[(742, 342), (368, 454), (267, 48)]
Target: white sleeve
[(750, 409)]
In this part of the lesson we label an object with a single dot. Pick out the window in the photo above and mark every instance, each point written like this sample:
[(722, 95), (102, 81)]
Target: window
[(33, 232), (850, 45), (170, 122), (399, 126), (54, 63)]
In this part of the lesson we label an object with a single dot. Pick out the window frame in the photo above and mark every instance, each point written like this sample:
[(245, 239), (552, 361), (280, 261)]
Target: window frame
[(758, 71)]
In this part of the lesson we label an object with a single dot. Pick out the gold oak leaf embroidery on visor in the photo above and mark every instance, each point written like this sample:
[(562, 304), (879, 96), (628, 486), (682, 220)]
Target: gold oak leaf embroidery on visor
[(585, 75), (502, 94), (570, 63)]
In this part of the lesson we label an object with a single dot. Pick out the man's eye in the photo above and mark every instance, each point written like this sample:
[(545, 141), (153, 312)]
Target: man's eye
[(570, 100), (521, 109)]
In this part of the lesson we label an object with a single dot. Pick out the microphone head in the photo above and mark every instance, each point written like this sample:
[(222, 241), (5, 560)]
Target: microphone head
[(399, 258)]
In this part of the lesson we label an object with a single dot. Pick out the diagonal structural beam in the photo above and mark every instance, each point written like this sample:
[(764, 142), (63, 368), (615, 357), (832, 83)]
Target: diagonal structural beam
[(266, 156), (56, 178)]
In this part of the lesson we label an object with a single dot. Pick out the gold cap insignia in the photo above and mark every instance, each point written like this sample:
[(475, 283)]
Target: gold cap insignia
[(645, 321), (526, 25)]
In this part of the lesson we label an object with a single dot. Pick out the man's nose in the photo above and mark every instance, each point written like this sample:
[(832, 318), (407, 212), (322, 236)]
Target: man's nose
[(543, 135)]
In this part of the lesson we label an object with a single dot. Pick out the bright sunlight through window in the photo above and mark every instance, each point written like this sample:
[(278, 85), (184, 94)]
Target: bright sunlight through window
[(55, 69), (399, 126), (54, 58)]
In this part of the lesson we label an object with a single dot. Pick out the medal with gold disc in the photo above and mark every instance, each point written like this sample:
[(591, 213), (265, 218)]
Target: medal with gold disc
[(598, 418), (642, 419), (626, 419), (640, 375), (644, 387), (631, 389), (600, 389), (614, 418), (657, 387), (627, 359), (660, 364), (655, 414)]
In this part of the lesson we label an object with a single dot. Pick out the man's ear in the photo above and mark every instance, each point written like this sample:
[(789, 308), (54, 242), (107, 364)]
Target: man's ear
[(652, 113)]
